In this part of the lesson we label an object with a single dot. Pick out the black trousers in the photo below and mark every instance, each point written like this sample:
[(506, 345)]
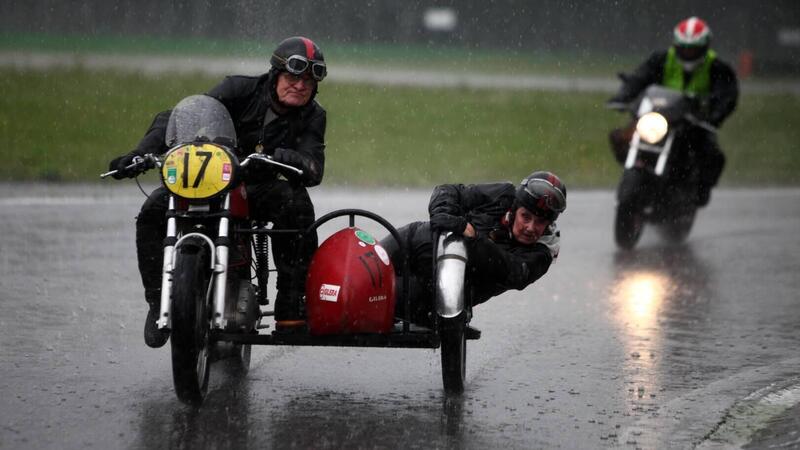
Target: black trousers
[(711, 159), (284, 204), (417, 238)]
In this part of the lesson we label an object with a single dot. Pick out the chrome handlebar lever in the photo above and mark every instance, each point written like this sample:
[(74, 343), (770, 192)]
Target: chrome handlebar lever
[(140, 164), (701, 123), (267, 159)]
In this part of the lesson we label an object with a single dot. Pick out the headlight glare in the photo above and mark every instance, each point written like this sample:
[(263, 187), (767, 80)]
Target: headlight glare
[(652, 127)]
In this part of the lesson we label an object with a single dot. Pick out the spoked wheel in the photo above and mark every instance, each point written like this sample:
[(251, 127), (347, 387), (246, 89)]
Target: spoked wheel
[(235, 357), (241, 358), (454, 353), (190, 325), (628, 225)]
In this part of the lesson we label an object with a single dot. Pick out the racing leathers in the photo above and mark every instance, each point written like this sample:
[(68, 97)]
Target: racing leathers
[(295, 138), (496, 262), (713, 84)]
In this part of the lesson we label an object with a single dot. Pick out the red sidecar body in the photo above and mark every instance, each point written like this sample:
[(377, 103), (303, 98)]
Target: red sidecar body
[(350, 286)]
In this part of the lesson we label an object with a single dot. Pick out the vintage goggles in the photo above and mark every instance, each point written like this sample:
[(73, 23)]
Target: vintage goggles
[(297, 65), (544, 191)]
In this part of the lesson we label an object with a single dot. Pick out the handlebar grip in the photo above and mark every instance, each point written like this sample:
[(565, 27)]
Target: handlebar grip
[(139, 164), (617, 106)]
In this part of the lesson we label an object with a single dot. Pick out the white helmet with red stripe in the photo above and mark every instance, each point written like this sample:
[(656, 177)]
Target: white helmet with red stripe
[(692, 32), (692, 38)]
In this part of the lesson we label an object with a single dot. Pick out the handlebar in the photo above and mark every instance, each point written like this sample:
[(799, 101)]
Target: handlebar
[(268, 159), (143, 163), (701, 123), (618, 106), (140, 164)]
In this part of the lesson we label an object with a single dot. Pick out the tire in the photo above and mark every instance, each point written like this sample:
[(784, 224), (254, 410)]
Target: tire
[(241, 358), (454, 353), (190, 325), (629, 221), (235, 357), (677, 230), (628, 226)]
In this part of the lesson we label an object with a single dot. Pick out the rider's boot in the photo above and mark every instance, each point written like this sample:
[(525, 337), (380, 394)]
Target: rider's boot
[(291, 261), (289, 311), (153, 336)]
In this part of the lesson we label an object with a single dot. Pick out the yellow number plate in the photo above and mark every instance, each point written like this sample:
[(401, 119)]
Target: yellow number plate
[(197, 171)]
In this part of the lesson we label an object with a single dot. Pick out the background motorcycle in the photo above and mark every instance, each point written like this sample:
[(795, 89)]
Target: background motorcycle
[(660, 179)]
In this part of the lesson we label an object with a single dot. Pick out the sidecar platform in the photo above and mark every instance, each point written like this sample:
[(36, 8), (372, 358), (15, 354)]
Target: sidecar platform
[(404, 334), (414, 337)]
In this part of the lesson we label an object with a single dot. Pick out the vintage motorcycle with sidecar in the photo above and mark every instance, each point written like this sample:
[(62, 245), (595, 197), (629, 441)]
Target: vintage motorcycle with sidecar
[(216, 267), (660, 179)]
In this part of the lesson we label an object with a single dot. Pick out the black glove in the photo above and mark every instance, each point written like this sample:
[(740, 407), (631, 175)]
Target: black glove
[(552, 240), (616, 105), (289, 157), (448, 222), (119, 164)]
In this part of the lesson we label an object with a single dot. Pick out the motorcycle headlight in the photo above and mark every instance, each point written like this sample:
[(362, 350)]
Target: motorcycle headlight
[(652, 127)]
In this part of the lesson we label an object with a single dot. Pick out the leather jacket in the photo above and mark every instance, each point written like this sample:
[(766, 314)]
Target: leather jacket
[(497, 262)]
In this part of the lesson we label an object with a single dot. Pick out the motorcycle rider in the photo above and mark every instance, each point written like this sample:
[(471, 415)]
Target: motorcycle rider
[(274, 114), (510, 235), (691, 66)]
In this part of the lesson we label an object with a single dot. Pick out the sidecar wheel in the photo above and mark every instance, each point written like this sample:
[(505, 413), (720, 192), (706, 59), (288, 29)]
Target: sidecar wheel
[(190, 325), (454, 353)]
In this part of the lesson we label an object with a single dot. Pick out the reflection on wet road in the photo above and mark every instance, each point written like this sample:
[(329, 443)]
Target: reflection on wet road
[(659, 347)]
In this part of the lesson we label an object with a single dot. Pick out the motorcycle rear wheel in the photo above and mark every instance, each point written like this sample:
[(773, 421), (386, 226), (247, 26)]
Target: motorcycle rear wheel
[(677, 230), (241, 358), (454, 353), (190, 325)]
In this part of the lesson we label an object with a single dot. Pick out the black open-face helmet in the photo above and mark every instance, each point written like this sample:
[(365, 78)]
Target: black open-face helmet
[(298, 55), (543, 194)]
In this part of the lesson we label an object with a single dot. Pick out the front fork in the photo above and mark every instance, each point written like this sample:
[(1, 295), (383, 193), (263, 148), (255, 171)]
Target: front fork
[(219, 250), (220, 279), (663, 152), (451, 267), (164, 317)]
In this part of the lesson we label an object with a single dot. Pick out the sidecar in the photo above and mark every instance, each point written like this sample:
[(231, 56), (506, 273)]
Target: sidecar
[(352, 290)]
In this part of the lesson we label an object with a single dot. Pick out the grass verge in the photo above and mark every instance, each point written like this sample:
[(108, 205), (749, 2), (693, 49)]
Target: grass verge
[(67, 125)]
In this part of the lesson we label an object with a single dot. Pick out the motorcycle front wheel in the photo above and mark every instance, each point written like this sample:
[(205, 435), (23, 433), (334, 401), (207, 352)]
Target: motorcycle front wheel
[(629, 220), (628, 226), (190, 325), (452, 332)]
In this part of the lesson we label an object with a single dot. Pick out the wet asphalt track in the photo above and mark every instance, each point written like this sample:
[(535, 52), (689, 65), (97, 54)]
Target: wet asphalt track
[(659, 348)]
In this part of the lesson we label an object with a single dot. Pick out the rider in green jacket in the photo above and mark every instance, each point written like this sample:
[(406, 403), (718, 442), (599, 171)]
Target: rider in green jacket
[(691, 66)]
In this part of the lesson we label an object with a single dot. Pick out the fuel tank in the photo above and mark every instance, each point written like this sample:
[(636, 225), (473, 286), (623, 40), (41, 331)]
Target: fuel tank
[(350, 286)]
